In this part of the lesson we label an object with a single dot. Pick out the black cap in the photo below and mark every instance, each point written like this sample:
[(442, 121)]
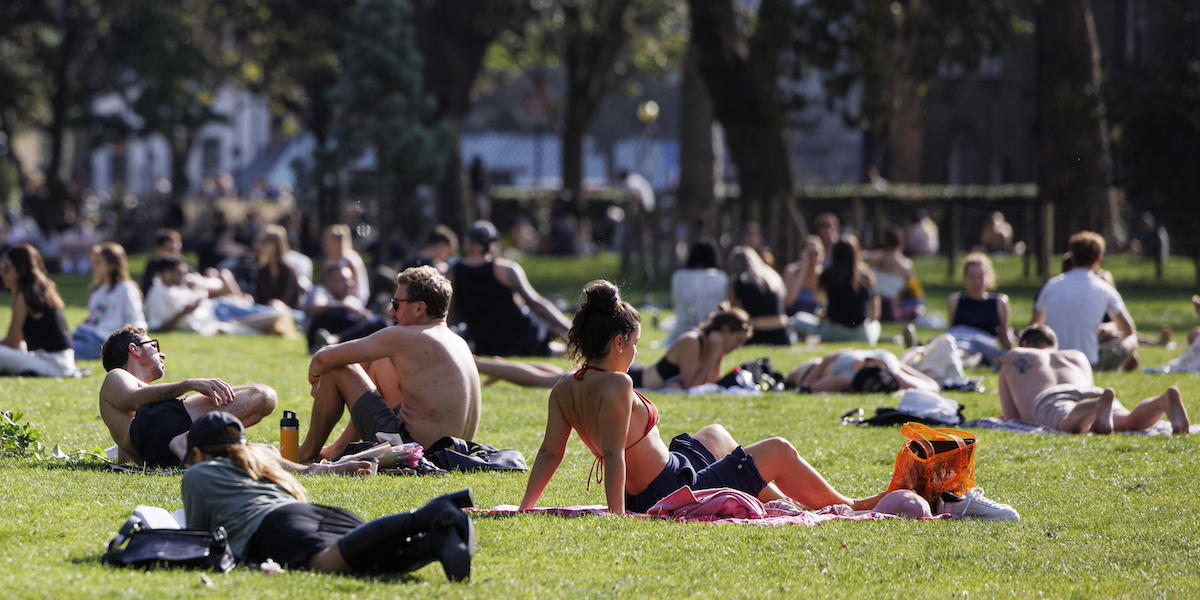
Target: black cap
[(210, 430), (483, 233)]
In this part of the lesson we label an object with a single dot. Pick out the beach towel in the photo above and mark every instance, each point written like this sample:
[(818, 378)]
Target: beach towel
[(1159, 428)]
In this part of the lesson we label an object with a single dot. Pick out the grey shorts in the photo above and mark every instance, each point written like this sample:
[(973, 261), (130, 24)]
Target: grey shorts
[(1111, 355), (1056, 402), (372, 415)]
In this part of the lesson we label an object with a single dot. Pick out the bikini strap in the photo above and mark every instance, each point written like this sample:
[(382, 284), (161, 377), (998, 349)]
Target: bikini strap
[(584, 369)]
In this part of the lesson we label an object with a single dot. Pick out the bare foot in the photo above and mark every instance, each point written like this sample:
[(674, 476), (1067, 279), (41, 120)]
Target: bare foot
[(349, 467), (1177, 412), (1164, 336), (1104, 420), (1131, 364)]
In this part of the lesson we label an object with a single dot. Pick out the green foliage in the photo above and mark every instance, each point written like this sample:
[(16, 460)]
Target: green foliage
[(18, 440), (383, 106), (879, 44)]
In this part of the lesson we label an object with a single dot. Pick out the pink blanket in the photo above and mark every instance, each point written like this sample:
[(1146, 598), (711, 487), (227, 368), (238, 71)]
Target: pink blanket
[(720, 506)]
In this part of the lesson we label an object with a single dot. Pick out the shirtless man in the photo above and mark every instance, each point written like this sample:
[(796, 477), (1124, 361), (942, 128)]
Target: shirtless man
[(148, 421), (1044, 386), (421, 381)]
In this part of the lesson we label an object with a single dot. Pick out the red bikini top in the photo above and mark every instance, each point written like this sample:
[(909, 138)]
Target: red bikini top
[(651, 422)]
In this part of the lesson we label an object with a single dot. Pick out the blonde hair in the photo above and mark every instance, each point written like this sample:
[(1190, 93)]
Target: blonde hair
[(744, 260), (426, 284), (985, 263), (258, 467)]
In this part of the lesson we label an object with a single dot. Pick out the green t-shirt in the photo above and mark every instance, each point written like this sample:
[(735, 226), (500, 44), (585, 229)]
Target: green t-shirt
[(218, 494)]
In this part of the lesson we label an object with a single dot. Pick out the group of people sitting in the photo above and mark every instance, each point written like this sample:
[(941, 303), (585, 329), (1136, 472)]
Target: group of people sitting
[(420, 380)]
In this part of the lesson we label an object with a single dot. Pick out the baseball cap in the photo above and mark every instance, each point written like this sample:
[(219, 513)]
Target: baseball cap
[(483, 233), (210, 430)]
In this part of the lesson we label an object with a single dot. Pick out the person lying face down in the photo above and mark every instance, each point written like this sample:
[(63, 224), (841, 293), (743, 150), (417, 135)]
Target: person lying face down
[(620, 427), (696, 358), (266, 514), (864, 371)]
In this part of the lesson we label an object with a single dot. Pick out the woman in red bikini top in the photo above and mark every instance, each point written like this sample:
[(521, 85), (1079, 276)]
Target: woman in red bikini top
[(619, 427)]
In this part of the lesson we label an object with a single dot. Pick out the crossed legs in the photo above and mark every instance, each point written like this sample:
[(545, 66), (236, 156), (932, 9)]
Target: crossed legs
[(787, 474)]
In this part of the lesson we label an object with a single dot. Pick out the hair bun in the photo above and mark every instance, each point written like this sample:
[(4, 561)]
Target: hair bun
[(601, 295)]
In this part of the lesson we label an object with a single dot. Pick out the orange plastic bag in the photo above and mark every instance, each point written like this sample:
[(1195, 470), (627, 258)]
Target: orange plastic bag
[(935, 461)]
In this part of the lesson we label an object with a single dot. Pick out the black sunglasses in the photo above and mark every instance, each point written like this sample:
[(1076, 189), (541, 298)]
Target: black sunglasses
[(396, 303), (152, 342)]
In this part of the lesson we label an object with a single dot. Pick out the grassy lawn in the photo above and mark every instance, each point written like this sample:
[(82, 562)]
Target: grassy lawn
[(1100, 515)]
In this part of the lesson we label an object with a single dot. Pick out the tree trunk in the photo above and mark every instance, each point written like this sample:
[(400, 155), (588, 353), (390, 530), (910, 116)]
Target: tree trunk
[(181, 182), (695, 145), (1075, 168), (574, 128), (454, 207), (741, 76)]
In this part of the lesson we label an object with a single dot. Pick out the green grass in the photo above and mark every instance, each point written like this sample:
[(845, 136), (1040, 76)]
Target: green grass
[(1108, 516)]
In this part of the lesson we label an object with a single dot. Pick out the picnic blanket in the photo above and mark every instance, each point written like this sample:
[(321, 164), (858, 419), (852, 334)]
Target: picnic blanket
[(1159, 428), (721, 506)]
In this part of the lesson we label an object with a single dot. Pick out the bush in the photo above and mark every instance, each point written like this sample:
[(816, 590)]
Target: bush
[(18, 440)]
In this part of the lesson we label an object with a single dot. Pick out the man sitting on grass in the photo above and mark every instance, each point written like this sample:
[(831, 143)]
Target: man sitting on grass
[(420, 381), (1044, 386), (149, 422)]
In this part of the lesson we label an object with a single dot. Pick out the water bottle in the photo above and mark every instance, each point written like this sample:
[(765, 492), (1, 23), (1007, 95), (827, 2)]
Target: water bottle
[(289, 436)]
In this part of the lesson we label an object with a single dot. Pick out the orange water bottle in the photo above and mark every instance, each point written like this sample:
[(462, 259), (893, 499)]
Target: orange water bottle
[(289, 436)]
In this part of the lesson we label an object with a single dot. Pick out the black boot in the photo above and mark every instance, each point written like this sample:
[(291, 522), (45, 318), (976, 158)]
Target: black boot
[(372, 547), (451, 542)]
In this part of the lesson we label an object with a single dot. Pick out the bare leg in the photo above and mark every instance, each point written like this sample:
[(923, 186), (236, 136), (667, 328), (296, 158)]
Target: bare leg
[(250, 404), (778, 462), (1149, 412), (329, 560), (338, 388), (529, 375), (1104, 412)]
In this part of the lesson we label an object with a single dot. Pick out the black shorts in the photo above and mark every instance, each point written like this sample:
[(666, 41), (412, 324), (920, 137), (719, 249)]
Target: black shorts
[(691, 464), (153, 428), (372, 415), (293, 533)]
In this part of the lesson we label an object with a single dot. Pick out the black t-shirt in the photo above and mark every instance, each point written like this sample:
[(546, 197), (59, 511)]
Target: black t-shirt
[(757, 301), (847, 306)]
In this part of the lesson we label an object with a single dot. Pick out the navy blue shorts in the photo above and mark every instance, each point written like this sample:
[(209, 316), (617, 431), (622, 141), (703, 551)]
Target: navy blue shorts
[(691, 464)]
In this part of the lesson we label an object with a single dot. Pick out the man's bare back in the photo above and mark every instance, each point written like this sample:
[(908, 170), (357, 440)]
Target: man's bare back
[(1027, 372)]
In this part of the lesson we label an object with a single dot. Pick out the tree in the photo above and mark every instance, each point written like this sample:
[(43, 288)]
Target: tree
[(293, 54), (454, 38), (1075, 166), (382, 107), (20, 92), (864, 54), (1156, 115)]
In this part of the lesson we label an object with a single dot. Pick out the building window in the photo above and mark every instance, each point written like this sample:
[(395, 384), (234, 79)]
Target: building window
[(961, 165), (119, 166)]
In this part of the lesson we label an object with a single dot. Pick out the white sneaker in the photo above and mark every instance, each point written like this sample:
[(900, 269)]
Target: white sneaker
[(975, 506)]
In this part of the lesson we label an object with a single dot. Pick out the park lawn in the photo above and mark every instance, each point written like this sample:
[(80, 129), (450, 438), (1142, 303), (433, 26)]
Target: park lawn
[(1100, 515)]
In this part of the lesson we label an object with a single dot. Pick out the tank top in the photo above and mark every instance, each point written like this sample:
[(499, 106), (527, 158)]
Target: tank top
[(758, 301), (980, 314), (847, 307), (47, 331), (494, 321)]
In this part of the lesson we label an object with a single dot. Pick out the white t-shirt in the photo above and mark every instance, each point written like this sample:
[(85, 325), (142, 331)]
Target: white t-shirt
[(164, 302), (1075, 304), (112, 307)]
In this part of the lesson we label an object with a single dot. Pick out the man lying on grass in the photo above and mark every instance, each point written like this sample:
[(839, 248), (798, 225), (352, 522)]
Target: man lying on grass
[(150, 422), (1044, 386), (420, 379)]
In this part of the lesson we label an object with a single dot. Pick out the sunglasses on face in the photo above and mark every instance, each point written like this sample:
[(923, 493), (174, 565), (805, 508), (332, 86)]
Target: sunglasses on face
[(396, 303), (152, 343)]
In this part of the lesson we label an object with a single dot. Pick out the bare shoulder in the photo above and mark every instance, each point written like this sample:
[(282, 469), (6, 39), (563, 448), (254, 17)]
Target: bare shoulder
[(119, 381), (1073, 356)]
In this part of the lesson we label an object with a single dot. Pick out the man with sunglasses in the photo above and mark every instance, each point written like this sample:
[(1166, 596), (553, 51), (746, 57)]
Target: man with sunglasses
[(150, 421), (416, 379)]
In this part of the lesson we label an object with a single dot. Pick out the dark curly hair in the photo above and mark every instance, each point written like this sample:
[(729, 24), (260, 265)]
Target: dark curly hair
[(872, 380), (602, 315)]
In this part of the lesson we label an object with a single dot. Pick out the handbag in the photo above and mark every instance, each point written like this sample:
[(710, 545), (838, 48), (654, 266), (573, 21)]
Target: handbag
[(934, 461), (182, 548), (754, 375)]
